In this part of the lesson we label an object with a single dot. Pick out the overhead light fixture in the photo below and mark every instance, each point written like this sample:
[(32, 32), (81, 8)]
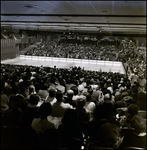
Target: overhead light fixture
[(29, 6), (66, 19)]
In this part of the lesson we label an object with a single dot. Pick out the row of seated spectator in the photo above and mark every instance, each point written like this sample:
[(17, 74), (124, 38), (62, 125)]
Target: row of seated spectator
[(73, 50), (52, 108), (127, 52)]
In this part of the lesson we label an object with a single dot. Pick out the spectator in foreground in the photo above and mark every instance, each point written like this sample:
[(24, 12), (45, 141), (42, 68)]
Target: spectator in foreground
[(135, 135), (107, 138), (69, 127)]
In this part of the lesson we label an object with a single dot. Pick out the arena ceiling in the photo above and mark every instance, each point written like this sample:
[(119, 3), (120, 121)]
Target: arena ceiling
[(113, 17)]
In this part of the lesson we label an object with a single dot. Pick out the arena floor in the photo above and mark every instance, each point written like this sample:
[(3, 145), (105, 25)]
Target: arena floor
[(95, 65)]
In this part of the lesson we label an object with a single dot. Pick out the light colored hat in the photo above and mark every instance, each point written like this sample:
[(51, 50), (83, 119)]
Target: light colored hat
[(80, 87), (94, 87), (110, 89), (70, 92)]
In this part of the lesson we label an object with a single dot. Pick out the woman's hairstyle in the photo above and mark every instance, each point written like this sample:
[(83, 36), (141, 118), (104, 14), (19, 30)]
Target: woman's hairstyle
[(108, 134), (52, 92), (45, 109), (132, 110), (34, 99), (59, 96)]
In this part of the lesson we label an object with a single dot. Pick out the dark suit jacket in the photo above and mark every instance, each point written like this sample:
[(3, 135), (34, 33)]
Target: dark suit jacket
[(22, 102)]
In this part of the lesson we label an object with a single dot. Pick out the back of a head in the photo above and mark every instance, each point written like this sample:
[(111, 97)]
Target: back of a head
[(23, 88), (15, 89), (107, 106), (108, 135), (45, 109), (132, 110), (75, 89), (34, 99), (70, 117), (59, 96), (52, 92)]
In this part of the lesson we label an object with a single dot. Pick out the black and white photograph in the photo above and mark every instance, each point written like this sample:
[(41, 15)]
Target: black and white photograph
[(73, 75)]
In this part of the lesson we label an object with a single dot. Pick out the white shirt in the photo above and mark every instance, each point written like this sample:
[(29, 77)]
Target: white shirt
[(91, 107), (41, 126)]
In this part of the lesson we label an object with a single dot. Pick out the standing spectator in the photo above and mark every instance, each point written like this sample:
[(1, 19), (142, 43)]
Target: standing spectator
[(41, 124), (59, 107)]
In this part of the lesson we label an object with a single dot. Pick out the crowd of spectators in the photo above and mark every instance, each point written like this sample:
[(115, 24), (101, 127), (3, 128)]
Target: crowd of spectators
[(108, 49), (134, 58), (52, 108), (73, 50)]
